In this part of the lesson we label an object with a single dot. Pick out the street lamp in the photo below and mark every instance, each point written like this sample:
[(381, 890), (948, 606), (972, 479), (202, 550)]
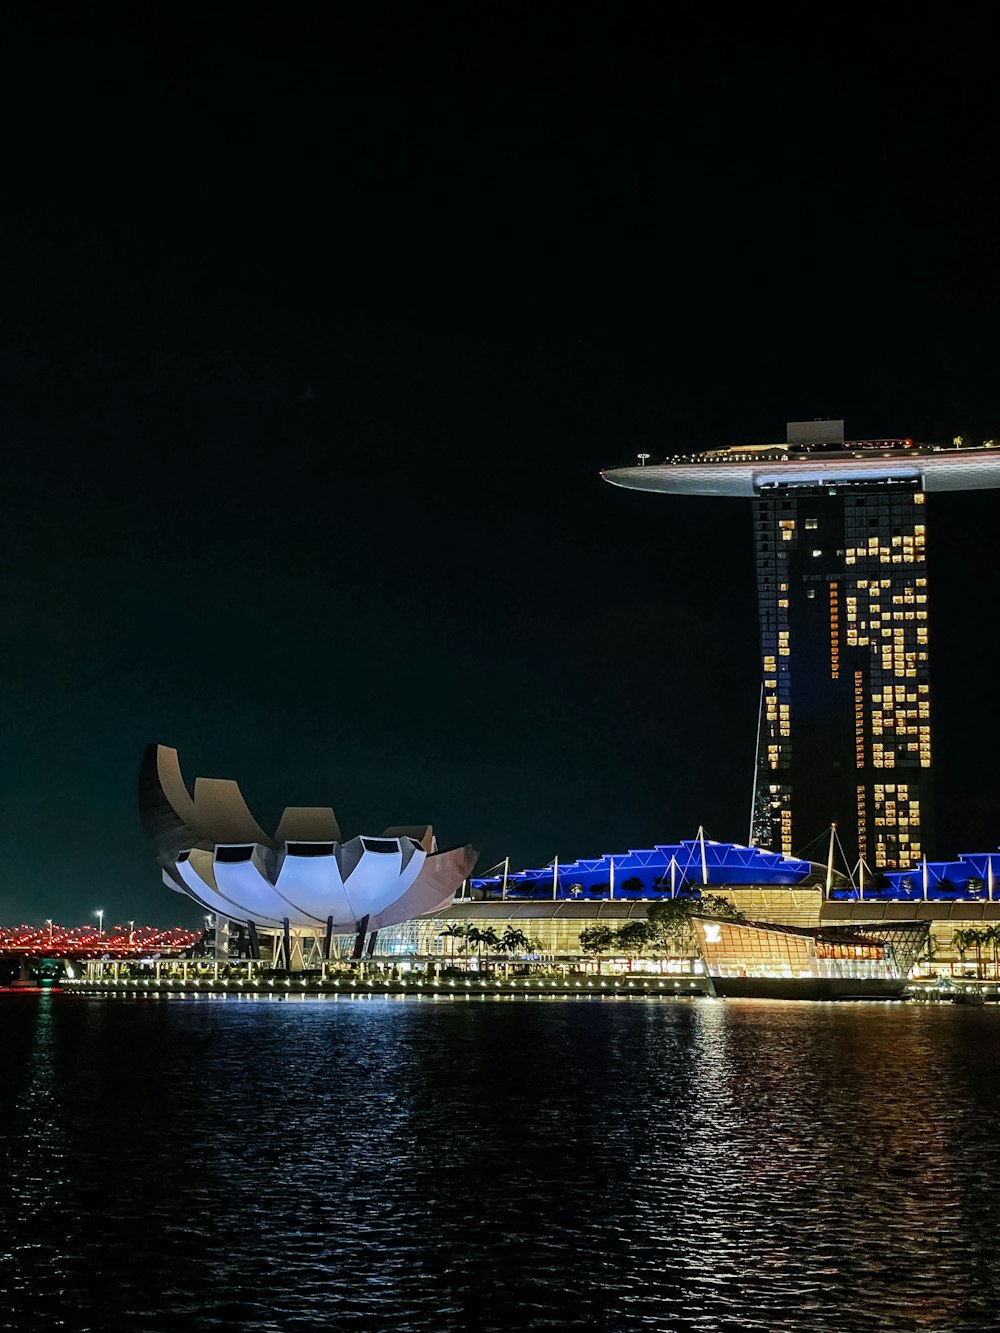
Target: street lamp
[(100, 920)]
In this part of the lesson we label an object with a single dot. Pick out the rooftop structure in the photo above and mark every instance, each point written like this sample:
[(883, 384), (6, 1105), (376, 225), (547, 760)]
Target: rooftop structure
[(666, 869), (816, 454), (840, 532), (972, 876), (212, 849)]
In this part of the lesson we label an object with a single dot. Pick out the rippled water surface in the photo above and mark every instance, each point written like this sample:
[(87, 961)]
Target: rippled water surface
[(495, 1164)]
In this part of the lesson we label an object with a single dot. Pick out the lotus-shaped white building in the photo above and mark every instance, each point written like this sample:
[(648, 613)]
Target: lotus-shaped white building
[(212, 849)]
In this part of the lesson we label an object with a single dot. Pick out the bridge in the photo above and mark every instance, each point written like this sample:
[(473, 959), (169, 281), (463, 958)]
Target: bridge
[(23, 948)]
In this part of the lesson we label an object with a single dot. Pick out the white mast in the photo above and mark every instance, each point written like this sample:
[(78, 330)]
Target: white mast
[(989, 878), (612, 877), (924, 876), (829, 861), (506, 872), (756, 762), (555, 876), (673, 876), (704, 861)]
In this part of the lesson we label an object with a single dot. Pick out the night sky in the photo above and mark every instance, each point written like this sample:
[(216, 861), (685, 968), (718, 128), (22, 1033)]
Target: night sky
[(317, 329)]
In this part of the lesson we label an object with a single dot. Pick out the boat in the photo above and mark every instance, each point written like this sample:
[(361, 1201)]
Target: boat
[(973, 997)]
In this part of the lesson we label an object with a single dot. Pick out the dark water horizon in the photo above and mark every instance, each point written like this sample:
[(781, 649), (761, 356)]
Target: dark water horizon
[(445, 1164)]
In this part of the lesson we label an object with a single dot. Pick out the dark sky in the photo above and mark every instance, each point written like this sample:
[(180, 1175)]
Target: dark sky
[(317, 328)]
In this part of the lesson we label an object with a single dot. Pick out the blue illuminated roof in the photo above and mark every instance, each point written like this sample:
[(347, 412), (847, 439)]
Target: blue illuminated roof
[(656, 870), (971, 875)]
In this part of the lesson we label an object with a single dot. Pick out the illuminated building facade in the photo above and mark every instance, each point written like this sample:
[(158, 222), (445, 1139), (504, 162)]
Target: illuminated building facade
[(842, 588), (754, 959), (840, 534), (302, 878)]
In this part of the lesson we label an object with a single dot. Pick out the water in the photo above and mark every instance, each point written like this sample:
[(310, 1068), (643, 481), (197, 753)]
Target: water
[(492, 1164)]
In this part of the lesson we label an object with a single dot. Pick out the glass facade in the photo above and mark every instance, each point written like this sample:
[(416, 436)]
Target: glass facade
[(845, 719), (741, 949)]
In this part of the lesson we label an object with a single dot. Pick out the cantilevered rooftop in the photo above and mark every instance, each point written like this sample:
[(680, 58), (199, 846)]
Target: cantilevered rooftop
[(815, 454), (840, 529)]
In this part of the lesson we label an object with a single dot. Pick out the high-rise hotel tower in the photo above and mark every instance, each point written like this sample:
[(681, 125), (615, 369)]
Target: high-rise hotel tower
[(840, 531)]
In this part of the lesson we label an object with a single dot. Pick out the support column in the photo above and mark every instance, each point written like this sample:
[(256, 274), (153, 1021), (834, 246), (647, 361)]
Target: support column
[(359, 940)]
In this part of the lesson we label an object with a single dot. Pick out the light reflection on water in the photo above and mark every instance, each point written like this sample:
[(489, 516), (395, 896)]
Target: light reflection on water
[(444, 1164)]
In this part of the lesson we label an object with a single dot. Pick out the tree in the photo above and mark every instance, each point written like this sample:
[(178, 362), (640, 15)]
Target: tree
[(490, 941), (514, 941), (633, 937), (456, 931), (991, 936), (597, 939), (979, 939), (671, 921), (482, 938), (964, 940), (929, 952)]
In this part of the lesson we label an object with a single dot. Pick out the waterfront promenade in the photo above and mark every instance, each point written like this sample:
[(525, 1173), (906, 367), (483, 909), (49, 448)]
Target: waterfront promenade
[(571, 986), (374, 984)]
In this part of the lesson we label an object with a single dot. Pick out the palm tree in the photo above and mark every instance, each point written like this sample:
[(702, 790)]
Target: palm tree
[(514, 941), (491, 940), (929, 951), (978, 940), (511, 942), (457, 932), (962, 940), (991, 936)]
